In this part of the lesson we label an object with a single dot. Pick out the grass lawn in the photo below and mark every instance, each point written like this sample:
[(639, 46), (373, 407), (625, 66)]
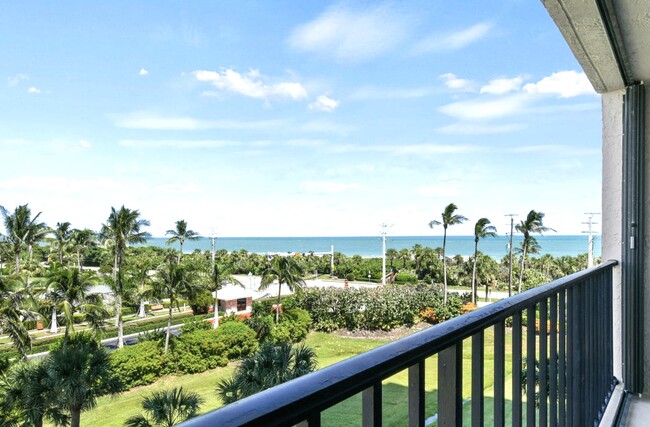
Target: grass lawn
[(113, 411)]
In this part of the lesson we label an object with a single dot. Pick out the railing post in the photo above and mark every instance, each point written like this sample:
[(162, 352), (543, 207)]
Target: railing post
[(499, 374), (530, 366), (371, 402), (416, 394), (450, 377), (478, 404), (516, 370), (553, 375), (543, 363)]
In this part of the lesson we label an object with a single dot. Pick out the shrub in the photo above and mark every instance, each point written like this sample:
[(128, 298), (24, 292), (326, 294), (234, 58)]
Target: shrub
[(238, 338), (406, 278), (467, 307), (201, 302), (139, 364)]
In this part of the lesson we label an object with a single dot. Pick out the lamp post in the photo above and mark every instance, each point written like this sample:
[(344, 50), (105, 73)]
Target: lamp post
[(512, 224)]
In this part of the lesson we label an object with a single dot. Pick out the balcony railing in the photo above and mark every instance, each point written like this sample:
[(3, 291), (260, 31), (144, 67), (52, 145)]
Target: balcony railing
[(562, 330)]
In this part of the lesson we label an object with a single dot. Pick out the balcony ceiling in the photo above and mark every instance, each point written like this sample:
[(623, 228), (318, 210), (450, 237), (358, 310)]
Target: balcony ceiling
[(611, 42)]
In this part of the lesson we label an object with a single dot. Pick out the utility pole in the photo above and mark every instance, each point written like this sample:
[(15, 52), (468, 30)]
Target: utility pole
[(590, 242), (212, 239), (383, 252), (512, 226)]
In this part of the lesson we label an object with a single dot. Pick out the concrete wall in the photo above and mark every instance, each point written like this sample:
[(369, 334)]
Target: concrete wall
[(612, 242)]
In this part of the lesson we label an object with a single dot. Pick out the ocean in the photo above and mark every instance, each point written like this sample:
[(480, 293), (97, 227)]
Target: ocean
[(496, 247)]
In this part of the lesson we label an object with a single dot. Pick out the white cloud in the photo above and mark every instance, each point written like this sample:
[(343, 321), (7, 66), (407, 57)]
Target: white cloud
[(324, 103), (15, 80), (369, 92), (453, 82), (176, 143), (34, 90), (143, 72), (409, 149), (329, 187), (142, 120), (251, 84), (84, 144), (349, 35), (567, 84), (502, 85), (468, 128), (455, 40), (486, 109)]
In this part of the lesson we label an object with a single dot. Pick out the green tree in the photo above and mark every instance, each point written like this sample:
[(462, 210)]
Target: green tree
[(62, 239), (449, 217), (391, 254), (122, 228), (273, 364), (81, 241), (22, 231), (174, 280), (405, 256), (286, 271), (14, 298), (79, 373), (482, 229), (28, 394), (166, 408), (67, 293), (180, 234), (534, 223)]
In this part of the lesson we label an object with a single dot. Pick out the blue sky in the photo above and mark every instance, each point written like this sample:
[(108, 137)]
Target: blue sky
[(294, 118)]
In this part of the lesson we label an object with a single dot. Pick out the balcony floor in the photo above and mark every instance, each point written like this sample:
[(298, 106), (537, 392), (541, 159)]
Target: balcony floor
[(637, 413)]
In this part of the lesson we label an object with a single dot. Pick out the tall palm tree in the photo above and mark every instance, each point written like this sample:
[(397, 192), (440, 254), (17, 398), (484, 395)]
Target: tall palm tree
[(166, 408), (534, 223), (174, 281), (81, 241), (391, 254), (62, 239), (405, 256), (273, 364), (482, 229), (66, 291), (220, 275), (14, 300), (180, 234), (286, 271), (449, 217), (122, 228), (80, 372), (22, 231)]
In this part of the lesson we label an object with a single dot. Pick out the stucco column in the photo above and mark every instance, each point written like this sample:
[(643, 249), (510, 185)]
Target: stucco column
[(612, 187)]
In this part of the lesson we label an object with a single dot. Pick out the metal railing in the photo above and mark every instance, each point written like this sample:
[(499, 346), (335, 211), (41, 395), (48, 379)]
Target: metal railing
[(562, 330)]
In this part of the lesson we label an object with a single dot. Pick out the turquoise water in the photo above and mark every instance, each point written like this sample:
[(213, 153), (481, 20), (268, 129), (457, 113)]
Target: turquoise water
[(496, 247)]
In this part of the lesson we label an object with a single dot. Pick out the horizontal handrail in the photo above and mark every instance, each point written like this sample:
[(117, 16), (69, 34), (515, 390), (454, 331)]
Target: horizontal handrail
[(292, 402)]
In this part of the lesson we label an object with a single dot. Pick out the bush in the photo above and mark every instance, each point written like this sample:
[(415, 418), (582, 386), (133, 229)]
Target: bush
[(139, 364), (239, 339), (202, 302), (406, 278)]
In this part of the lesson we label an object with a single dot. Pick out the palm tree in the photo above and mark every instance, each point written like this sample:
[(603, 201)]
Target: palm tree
[(22, 230), (391, 254), (448, 218), (534, 223), (14, 298), (405, 256), (166, 408), (67, 294), (180, 234), (286, 271), (138, 272), (273, 364), (62, 239), (82, 240), (80, 372), (220, 276), (27, 391), (482, 229), (174, 281), (122, 228)]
